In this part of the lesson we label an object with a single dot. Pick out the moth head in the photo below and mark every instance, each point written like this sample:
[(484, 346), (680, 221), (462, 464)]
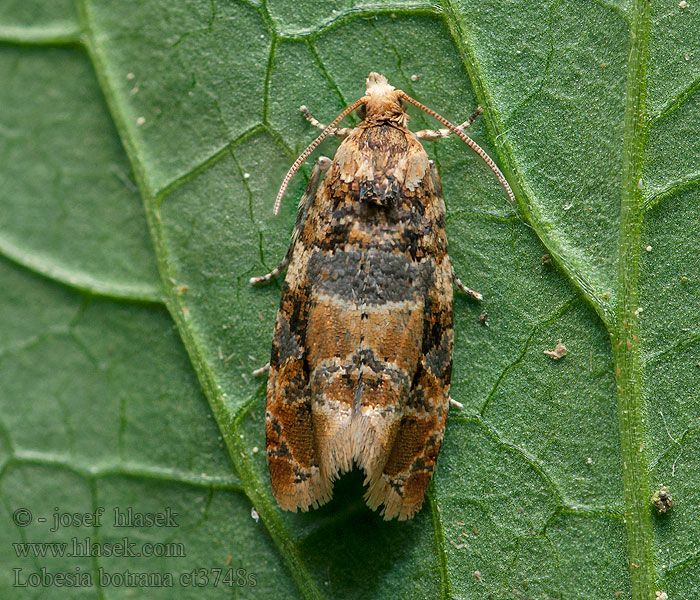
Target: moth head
[(382, 101)]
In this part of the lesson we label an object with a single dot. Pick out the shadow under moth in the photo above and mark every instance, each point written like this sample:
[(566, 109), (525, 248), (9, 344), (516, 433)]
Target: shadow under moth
[(362, 348)]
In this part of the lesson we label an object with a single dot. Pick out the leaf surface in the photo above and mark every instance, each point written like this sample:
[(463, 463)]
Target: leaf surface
[(545, 476)]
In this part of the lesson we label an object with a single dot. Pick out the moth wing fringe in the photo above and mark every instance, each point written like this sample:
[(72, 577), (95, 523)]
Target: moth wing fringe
[(381, 492), (312, 493)]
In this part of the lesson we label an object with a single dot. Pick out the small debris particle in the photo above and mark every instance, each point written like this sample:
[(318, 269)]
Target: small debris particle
[(254, 514), (684, 279), (255, 449), (546, 259), (130, 75), (589, 461), (558, 352), (662, 500), (140, 121), (640, 184), (134, 90), (617, 371), (246, 175), (478, 576), (415, 77), (606, 296), (659, 594), (483, 319), (635, 565), (639, 311), (603, 65), (683, 4), (476, 531), (687, 57), (648, 248), (229, 558), (629, 345)]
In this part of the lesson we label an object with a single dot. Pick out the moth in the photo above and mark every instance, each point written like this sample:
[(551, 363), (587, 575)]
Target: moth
[(362, 348)]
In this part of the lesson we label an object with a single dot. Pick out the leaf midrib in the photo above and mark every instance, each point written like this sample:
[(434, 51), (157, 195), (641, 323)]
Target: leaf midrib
[(620, 320), (625, 335), (178, 311)]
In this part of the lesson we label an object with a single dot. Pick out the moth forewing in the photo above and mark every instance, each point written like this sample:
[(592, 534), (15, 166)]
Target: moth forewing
[(362, 348)]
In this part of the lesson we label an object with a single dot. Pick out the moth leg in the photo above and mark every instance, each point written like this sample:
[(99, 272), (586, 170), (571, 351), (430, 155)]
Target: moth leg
[(322, 165), (470, 292), (453, 402), (431, 135), (341, 132), (265, 369), (276, 271)]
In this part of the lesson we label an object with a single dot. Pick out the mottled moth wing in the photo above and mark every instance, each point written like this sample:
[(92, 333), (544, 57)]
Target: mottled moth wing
[(362, 352), (404, 479), (294, 469)]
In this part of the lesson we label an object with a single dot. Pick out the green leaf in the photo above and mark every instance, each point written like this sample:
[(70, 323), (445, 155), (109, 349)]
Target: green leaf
[(99, 404), (544, 481), (70, 208)]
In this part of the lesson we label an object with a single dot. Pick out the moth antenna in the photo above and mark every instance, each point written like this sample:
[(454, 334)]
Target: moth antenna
[(466, 139), (310, 148)]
